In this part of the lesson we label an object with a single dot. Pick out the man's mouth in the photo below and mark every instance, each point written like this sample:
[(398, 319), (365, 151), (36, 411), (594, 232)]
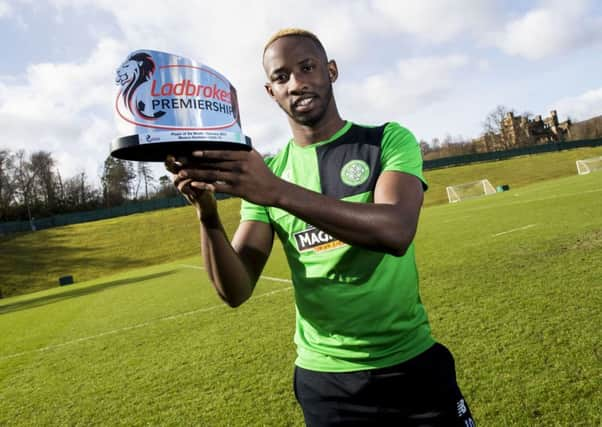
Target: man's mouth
[(304, 103)]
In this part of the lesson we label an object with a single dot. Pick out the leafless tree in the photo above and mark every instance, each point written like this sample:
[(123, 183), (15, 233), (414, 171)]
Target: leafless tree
[(145, 176), (8, 185), (493, 128)]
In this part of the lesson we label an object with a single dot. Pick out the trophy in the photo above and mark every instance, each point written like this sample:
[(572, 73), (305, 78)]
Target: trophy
[(168, 104)]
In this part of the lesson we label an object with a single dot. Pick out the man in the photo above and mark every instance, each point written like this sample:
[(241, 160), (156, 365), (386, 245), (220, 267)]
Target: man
[(344, 200)]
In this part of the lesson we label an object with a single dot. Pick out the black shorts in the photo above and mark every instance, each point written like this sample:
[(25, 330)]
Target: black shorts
[(419, 392)]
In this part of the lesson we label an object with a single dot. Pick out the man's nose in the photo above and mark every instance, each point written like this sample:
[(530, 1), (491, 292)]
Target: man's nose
[(297, 83)]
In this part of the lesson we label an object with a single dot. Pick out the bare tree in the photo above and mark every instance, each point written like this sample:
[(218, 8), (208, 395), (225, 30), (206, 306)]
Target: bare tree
[(8, 185), (493, 128), (145, 176), (166, 187), (79, 194)]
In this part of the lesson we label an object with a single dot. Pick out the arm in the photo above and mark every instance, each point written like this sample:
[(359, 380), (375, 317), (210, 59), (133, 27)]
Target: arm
[(235, 267), (387, 225)]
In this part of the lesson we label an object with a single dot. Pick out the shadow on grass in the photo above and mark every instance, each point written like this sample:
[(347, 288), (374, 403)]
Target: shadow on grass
[(75, 292), (29, 260)]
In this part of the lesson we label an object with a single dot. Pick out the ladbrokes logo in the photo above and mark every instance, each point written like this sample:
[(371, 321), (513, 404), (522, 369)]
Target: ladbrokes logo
[(312, 239)]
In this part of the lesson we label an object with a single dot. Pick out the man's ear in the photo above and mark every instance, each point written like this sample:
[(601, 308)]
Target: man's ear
[(268, 89), (333, 71)]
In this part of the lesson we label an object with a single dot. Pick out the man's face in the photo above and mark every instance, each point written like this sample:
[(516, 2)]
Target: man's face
[(299, 78)]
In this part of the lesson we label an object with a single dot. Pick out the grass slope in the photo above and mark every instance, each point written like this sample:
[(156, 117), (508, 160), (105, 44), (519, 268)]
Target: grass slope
[(511, 282), (35, 261)]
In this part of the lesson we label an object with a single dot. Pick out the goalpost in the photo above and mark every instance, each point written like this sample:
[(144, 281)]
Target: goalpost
[(586, 166), (469, 190)]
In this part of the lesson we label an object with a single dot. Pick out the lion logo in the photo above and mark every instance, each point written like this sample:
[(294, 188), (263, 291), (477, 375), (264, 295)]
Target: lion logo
[(136, 70)]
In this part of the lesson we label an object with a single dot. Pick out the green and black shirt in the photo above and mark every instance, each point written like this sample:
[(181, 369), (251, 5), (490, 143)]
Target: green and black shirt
[(356, 308)]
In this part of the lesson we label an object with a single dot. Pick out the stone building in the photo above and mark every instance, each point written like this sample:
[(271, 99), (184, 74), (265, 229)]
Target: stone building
[(520, 131)]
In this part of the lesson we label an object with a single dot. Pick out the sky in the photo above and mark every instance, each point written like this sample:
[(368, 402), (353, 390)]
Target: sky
[(438, 67)]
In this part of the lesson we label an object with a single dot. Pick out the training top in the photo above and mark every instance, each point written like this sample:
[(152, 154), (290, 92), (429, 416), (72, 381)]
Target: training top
[(356, 309)]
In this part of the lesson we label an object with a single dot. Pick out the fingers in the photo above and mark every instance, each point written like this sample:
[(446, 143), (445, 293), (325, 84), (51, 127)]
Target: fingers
[(203, 186), (172, 165), (216, 187), (208, 175), (183, 186), (220, 155)]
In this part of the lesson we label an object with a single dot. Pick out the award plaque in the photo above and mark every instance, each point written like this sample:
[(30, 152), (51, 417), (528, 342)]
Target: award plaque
[(168, 104)]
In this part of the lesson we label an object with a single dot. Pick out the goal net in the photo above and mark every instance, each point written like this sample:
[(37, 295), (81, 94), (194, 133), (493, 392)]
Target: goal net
[(469, 190), (586, 166)]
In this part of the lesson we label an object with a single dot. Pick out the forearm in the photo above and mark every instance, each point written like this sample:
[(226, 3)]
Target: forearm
[(226, 271), (376, 226)]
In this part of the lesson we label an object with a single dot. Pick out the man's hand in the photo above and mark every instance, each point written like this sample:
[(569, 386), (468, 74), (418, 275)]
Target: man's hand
[(198, 194), (239, 173)]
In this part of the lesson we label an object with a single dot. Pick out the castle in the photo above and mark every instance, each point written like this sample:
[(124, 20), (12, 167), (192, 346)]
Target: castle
[(520, 131)]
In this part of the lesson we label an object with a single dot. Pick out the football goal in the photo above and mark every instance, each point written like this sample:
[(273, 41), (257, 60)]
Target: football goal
[(586, 166), (469, 190)]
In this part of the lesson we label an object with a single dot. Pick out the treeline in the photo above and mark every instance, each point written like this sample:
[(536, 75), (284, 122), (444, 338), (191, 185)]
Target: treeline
[(31, 186), (494, 137)]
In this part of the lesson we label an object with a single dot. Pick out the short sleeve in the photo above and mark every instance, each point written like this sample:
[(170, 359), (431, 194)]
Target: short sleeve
[(400, 152), (252, 212)]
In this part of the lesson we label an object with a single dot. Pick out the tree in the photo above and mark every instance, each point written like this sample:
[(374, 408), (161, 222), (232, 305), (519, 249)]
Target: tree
[(25, 177), (79, 194), (493, 128), (45, 181), (8, 185), (116, 181), (166, 187), (145, 176)]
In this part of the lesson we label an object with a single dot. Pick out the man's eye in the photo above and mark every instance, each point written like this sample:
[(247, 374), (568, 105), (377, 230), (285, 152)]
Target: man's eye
[(308, 67), (280, 78)]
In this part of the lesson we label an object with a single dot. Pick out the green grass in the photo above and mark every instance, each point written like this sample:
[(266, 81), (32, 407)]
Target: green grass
[(512, 283), (35, 261), (516, 172)]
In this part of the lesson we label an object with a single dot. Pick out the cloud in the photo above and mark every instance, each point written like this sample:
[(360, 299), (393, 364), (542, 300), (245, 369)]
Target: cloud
[(5, 9), (551, 29), (436, 21), (580, 107), (411, 85), (64, 109)]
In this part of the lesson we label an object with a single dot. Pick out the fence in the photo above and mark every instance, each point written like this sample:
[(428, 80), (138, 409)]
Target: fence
[(95, 215), (501, 155)]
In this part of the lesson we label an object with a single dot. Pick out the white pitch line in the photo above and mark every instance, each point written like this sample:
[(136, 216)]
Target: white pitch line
[(466, 212), (150, 322), (515, 229), (273, 279)]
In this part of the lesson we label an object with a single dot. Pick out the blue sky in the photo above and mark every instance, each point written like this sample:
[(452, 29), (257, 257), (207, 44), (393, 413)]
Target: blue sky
[(436, 66)]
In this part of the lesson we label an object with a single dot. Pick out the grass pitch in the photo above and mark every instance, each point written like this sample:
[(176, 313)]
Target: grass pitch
[(511, 282)]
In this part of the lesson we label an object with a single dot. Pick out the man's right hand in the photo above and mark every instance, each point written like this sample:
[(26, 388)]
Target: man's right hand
[(197, 193)]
